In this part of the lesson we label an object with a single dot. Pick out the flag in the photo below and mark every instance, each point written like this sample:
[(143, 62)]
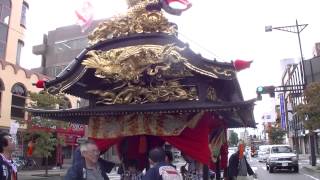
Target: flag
[(85, 15)]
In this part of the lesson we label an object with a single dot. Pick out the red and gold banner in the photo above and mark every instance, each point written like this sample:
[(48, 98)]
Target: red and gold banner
[(141, 124)]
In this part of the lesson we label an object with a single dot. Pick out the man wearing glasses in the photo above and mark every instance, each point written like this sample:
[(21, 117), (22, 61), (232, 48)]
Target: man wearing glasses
[(90, 166)]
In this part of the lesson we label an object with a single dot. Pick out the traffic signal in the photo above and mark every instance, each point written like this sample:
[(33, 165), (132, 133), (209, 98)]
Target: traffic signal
[(265, 90)]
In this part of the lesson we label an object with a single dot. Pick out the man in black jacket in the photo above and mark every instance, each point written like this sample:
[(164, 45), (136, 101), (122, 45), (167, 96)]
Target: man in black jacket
[(88, 165), (239, 167), (8, 171)]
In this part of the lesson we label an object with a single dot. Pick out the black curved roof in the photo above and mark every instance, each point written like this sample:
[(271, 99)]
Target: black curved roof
[(76, 80)]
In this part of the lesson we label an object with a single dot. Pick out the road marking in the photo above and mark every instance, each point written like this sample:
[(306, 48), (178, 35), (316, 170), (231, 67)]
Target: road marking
[(264, 168), (311, 176)]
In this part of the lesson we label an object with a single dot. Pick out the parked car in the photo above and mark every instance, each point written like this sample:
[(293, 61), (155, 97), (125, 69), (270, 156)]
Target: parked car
[(281, 157)]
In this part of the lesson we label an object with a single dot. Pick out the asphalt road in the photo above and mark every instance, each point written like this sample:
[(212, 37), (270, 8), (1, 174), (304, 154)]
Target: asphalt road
[(259, 168), (263, 174)]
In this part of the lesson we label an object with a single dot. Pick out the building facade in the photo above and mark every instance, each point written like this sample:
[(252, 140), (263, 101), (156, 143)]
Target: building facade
[(15, 81), (293, 78)]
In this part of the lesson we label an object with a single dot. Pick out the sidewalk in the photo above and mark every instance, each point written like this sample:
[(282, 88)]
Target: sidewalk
[(305, 163), (54, 173)]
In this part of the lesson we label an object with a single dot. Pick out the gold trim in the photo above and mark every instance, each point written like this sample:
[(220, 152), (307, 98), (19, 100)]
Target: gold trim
[(137, 20)]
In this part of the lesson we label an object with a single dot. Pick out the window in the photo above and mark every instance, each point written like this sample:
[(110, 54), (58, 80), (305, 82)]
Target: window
[(18, 102), (281, 149), (5, 10), (1, 89), (19, 49), (24, 10)]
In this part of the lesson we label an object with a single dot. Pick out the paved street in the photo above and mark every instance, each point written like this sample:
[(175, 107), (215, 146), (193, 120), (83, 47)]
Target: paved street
[(263, 174), (258, 167)]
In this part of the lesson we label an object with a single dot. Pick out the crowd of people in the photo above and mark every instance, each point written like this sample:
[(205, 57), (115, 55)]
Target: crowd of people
[(88, 165)]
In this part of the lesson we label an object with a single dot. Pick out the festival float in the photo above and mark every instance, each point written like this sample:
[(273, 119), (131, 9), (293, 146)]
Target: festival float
[(146, 87)]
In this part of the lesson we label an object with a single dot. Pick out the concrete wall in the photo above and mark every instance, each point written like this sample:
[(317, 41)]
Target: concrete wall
[(63, 45), (313, 74)]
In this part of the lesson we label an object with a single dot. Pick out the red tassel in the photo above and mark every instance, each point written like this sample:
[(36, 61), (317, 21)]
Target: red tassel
[(39, 84), (241, 64)]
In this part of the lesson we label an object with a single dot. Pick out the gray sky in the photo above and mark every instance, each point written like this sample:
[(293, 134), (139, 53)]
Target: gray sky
[(222, 29)]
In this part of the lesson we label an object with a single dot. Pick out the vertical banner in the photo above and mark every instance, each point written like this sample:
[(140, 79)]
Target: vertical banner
[(282, 111)]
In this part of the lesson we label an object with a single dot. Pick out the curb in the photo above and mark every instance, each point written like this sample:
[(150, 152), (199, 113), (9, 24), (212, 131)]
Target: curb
[(311, 169)]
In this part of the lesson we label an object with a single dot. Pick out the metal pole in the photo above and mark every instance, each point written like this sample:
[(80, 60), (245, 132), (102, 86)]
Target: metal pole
[(301, 55), (311, 136)]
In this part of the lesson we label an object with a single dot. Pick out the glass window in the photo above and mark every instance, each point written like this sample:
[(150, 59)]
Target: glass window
[(19, 90), (19, 95), (3, 32), (19, 49), (2, 50), (281, 149), (5, 10), (24, 10)]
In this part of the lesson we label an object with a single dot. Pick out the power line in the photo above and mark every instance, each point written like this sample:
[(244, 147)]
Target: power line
[(199, 45)]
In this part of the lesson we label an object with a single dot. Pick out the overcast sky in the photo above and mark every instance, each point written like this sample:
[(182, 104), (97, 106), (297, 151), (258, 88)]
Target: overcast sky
[(222, 29)]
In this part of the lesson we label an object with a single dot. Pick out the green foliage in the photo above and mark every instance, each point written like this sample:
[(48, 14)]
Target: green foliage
[(45, 144), (276, 135), (45, 100), (233, 139), (310, 109), (45, 141)]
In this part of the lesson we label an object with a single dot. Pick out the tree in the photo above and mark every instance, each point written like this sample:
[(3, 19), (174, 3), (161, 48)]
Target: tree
[(45, 142), (309, 111), (276, 135), (233, 139)]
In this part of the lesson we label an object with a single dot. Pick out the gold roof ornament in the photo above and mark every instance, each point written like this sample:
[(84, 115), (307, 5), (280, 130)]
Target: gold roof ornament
[(137, 20), (132, 3)]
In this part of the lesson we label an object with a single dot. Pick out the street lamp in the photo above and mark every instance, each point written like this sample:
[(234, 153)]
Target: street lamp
[(297, 29)]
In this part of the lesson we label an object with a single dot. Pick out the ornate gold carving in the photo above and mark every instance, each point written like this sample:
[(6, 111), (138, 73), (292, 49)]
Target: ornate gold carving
[(132, 62), (142, 74), (137, 20), (211, 94), (136, 94), (222, 71)]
